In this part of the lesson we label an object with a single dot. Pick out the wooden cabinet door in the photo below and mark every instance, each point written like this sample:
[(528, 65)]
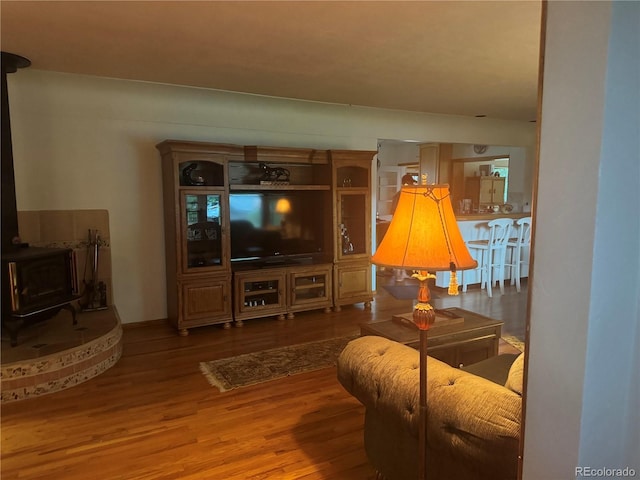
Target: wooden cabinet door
[(205, 302), (260, 293), (352, 283), (486, 190), (310, 287), (498, 190), (353, 212), (202, 232), (459, 187)]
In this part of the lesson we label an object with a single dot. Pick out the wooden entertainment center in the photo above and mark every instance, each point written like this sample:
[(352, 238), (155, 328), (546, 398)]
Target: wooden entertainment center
[(256, 231)]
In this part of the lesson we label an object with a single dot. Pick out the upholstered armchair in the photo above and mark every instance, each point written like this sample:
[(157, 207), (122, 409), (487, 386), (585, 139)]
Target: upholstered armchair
[(473, 424)]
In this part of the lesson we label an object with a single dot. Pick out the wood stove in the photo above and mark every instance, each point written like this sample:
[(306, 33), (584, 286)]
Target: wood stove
[(36, 284)]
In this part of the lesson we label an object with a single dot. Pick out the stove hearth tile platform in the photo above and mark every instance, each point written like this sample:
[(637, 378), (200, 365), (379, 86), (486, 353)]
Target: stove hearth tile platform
[(55, 354)]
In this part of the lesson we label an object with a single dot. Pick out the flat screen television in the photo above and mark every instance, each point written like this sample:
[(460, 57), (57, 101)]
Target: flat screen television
[(276, 226)]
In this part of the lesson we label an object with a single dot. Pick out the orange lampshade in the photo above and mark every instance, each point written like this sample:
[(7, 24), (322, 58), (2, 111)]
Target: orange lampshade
[(423, 233)]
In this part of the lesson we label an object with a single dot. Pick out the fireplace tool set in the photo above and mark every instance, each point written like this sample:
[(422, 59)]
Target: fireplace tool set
[(94, 296)]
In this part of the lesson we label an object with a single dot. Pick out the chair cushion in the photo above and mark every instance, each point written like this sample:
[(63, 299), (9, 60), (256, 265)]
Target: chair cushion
[(515, 379)]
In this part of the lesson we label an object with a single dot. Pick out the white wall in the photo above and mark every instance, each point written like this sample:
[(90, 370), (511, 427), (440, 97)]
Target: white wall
[(86, 142), (610, 407), (583, 370), (392, 154)]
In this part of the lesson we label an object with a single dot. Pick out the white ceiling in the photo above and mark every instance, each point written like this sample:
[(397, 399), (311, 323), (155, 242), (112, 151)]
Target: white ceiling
[(453, 57)]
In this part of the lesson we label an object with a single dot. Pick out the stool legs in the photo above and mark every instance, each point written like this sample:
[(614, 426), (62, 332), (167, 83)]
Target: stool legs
[(523, 241), (491, 265), (487, 272), (493, 255), (516, 269), (465, 278), (484, 260), (501, 253), (515, 266)]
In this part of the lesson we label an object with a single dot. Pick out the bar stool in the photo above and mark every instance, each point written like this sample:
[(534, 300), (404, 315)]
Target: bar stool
[(492, 253), (516, 245)]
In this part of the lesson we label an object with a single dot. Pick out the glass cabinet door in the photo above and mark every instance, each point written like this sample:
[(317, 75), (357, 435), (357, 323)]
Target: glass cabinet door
[(262, 293), (352, 223), (310, 287), (202, 227)]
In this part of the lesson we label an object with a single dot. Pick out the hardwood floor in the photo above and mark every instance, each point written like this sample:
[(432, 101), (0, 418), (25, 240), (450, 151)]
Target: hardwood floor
[(154, 416)]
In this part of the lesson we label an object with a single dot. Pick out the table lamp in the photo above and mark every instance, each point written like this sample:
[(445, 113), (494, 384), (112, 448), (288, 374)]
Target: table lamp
[(424, 236)]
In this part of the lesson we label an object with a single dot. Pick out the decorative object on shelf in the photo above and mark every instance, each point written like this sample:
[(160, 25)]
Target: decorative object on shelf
[(465, 205), (424, 236), (408, 179), (190, 176), (210, 229), (347, 245), (485, 170), (211, 233), (193, 234), (273, 175)]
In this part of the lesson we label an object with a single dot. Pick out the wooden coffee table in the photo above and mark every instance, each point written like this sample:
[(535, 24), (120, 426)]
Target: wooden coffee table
[(471, 341)]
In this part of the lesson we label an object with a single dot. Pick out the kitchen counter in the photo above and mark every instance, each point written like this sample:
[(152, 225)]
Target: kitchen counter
[(474, 227)]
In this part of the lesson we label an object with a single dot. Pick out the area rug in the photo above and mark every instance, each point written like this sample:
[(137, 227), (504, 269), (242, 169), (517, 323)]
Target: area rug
[(405, 292), (514, 342), (252, 368)]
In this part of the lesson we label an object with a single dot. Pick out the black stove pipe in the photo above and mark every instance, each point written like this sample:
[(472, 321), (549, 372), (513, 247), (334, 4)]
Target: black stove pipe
[(10, 235)]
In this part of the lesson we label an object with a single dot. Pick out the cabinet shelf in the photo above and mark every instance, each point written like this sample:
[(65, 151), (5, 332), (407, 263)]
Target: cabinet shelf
[(203, 241), (243, 187), (200, 188), (353, 189), (253, 293), (257, 308), (310, 286)]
